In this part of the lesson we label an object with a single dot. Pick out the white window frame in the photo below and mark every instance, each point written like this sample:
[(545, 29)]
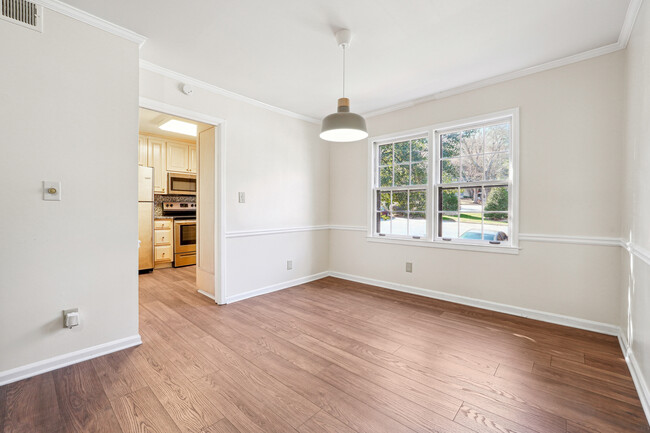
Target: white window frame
[(433, 175)]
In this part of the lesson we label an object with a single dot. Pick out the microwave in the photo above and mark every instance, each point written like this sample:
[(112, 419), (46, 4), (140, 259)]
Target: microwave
[(181, 183)]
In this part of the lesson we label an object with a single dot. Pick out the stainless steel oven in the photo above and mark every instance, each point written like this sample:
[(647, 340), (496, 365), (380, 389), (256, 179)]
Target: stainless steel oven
[(181, 183), (184, 214), (184, 243)]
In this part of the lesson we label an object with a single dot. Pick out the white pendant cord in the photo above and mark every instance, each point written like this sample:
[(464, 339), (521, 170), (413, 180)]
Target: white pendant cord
[(344, 71)]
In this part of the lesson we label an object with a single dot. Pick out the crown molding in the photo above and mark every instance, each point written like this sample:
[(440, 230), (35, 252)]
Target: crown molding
[(152, 67), (499, 79), (628, 24), (620, 44), (92, 20), (624, 36)]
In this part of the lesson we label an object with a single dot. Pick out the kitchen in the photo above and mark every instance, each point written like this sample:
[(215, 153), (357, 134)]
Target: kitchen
[(168, 160)]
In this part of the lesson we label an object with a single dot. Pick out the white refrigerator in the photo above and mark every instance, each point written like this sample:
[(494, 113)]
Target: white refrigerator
[(145, 217)]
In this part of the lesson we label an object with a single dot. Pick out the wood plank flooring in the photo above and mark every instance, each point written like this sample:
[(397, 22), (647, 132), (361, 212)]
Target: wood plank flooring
[(332, 356)]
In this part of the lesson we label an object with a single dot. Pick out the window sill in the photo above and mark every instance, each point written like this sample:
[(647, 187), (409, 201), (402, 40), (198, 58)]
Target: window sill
[(446, 245)]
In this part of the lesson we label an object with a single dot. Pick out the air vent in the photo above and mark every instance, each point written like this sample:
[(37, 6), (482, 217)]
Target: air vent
[(23, 13)]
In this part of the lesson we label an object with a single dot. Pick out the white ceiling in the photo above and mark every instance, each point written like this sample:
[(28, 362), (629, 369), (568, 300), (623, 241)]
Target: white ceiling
[(150, 121), (283, 52)]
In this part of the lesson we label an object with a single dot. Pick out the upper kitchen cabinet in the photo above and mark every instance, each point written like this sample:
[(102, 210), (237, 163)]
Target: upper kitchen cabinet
[(193, 160), (157, 159), (181, 157), (165, 155), (142, 151)]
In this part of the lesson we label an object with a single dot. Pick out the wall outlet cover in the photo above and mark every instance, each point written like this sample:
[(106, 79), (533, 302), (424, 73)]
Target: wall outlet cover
[(409, 267), (65, 316)]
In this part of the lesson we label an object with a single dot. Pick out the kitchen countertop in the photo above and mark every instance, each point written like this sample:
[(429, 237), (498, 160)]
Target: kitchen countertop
[(184, 217)]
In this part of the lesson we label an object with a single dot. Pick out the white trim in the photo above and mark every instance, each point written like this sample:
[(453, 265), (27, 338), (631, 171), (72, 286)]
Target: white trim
[(247, 233), (637, 374), (628, 24), (445, 245), (560, 239), (36, 368), (348, 228), (499, 79), (220, 232), (209, 295), (574, 322), (92, 20), (148, 66), (220, 192), (563, 239), (85, 17), (640, 252), (152, 104), (623, 38), (276, 287)]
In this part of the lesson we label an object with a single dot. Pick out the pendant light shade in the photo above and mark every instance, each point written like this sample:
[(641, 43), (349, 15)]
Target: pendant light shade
[(343, 126)]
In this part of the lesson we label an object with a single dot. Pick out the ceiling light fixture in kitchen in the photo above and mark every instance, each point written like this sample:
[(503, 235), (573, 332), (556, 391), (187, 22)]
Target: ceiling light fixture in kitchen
[(179, 127), (343, 126)]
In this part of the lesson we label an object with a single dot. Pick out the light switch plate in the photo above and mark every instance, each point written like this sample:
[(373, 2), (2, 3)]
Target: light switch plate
[(242, 197), (52, 190), (409, 267)]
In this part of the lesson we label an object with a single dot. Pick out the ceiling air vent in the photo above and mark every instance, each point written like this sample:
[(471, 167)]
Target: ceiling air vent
[(24, 13)]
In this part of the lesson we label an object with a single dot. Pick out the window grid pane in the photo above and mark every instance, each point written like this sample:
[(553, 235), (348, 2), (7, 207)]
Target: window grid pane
[(402, 212)]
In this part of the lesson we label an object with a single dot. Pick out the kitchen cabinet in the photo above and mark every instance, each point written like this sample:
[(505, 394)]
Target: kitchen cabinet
[(177, 157), (163, 237), (151, 153), (193, 166), (156, 159), (166, 155), (143, 152), (181, 157), (163, 255), (163, 243)]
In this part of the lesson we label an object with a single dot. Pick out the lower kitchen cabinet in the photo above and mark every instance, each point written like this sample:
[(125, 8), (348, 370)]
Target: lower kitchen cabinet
[(163, 243)]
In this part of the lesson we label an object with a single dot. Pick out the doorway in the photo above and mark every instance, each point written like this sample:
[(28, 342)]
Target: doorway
[(183, 150)]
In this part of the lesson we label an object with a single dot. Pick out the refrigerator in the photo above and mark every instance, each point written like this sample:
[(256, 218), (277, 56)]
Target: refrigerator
[(145, 217)]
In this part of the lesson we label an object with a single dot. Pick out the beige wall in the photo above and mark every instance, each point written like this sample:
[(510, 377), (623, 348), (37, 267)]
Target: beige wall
[(571, 118), (635, 293), (68, 112), (283, 167)]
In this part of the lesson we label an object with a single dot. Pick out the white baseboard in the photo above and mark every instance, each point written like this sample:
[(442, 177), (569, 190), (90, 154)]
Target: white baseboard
[(276, 287), (209, 295), (64, 360), (574, 322), (636, 373)]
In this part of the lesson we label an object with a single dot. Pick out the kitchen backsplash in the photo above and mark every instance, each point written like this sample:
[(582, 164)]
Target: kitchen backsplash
[(159, 199)]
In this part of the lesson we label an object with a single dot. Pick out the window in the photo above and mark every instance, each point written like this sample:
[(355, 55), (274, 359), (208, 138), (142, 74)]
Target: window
[(458, 191), (402, 173)]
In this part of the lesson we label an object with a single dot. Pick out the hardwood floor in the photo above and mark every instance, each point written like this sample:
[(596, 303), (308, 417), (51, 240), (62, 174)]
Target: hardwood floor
[(332, 356)]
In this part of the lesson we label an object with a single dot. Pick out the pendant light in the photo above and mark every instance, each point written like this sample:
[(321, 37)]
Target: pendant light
[(343, 126)]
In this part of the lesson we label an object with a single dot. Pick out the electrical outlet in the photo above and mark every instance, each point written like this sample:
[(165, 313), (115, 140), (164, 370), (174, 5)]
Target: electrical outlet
[(242, 197), (70, 318), (289, 265), (409, 267)]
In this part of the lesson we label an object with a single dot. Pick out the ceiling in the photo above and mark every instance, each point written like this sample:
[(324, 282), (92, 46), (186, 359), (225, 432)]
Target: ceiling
[(150, 120), (283, 52)]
